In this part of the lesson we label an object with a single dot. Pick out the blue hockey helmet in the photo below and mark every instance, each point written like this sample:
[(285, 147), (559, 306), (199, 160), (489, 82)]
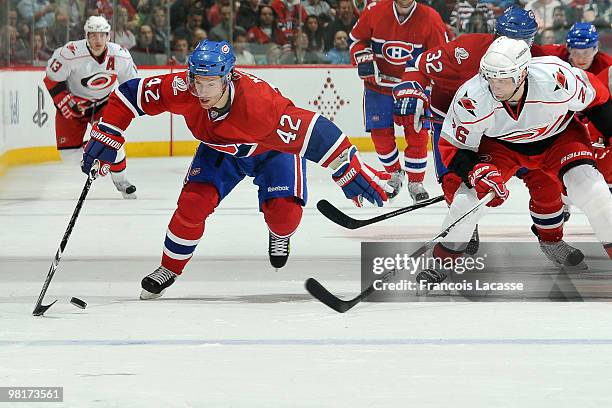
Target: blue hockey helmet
[(518, 24), (582, 35), (212, 58)]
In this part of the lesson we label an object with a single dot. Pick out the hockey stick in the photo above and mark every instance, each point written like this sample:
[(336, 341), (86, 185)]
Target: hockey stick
[(319, 292), (40, 309), (338, 217)]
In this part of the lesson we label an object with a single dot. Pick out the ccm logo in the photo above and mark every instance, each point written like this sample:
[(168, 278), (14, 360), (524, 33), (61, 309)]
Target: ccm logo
[(575, 155)]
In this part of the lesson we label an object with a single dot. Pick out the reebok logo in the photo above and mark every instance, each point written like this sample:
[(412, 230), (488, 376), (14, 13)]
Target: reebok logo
[(277, 188)]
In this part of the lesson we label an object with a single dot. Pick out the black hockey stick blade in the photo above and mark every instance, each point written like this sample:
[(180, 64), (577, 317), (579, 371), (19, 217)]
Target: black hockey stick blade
[(319, 292), (338, 217), (40, 309)]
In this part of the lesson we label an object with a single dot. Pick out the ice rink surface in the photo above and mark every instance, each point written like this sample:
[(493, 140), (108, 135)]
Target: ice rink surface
[(232, 332)]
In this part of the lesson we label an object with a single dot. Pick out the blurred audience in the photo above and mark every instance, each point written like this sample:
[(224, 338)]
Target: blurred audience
[(339, 54)]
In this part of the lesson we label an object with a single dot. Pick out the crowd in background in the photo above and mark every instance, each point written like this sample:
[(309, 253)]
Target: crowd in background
[(161, 32)]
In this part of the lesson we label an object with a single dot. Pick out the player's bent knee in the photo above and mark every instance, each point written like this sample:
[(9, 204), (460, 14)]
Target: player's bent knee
[(283, 215), (196, 202)]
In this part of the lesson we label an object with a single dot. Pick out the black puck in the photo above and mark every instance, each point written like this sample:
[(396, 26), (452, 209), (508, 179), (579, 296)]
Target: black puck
[(78, 303)]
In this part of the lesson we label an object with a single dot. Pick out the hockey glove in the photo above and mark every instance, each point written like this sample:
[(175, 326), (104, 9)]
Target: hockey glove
[(358, 180), (70, 106), (102, 146), (366, 66), (410, 100), (485, 177)]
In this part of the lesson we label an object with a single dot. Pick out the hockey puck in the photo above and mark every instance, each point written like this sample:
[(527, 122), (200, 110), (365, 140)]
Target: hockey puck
[(78, 303)]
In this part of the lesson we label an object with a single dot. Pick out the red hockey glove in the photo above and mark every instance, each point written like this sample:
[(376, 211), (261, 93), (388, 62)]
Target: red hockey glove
[(70, 106), (358, 180), (102, 147), (485, 177), (366, 66)]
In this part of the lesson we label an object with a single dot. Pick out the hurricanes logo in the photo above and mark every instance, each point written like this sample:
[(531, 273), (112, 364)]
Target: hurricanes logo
[(99, 81), (398, 52), (561, 80), (72, 48), (468, 104), (461, 54)]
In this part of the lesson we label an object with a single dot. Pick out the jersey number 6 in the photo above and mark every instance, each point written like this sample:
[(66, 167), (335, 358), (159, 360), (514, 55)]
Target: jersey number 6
[(288, 136)]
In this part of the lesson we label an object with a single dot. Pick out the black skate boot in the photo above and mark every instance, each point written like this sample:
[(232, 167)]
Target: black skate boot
[(474, 244), (417, 192), (426, 278), (154, 285), (127, 189), (561, 253), (278, 250)]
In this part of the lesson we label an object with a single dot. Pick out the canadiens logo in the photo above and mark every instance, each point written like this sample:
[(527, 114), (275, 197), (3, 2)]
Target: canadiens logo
[(225, 49), (194, 172), (461, 54), (398, 52), (468, 104), (99, 81), (178, 85), (561, 80)]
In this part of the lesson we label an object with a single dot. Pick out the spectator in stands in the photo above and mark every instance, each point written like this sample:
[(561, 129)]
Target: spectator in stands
[(273, 54), (198, 35), (146, 43), (37, 13), (441, 7), (339, 54), (345, 20), (223, 30), (8, 40), (159, 25), (214, 12), (314, 31), (180, 52), (317, 8), (560, 24), (289, 17), (243, 56), (592, 15), (40, 53), (543, 11), (266, 31), (123, 35), (460, 15), (60, 33), (299, 53), (195, 20), (548, 36), (477, 23), (247, 14), (182, 9)]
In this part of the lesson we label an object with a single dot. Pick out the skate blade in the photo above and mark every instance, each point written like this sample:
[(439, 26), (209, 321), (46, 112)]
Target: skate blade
[(146, 295), (128, 196)]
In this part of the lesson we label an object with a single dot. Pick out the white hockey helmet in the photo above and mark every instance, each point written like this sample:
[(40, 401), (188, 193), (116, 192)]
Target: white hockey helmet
[(505, 58), (96, 24)]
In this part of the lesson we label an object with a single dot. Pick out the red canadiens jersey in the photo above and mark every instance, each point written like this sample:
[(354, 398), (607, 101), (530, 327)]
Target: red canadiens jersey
[(259, 117), (395, 43), (450, 65), (601, 62)]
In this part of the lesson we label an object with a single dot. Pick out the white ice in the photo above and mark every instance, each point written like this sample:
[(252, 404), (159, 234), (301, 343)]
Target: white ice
[(232, 332)]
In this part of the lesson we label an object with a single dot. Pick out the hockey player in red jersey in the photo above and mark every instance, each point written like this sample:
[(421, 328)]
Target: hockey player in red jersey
[(80, 77), (246, 128), (446, 68), (520, 113), (387, 35), (582, 51)]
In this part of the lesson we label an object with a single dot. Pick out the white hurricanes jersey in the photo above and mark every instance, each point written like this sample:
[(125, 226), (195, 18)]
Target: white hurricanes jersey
[(555, 90), (85, 76)]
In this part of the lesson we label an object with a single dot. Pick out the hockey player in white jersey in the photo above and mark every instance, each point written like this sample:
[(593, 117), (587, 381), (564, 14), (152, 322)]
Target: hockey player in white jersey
[(80, 76), (519, 112)]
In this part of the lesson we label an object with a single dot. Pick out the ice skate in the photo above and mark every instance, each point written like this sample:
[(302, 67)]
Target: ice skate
[(155, 284), (474, 244), (278, 250), (417, 192), (127, 189), (396, 182), (564, 255)]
